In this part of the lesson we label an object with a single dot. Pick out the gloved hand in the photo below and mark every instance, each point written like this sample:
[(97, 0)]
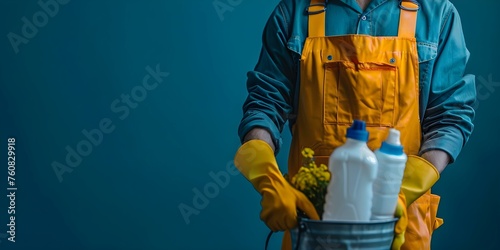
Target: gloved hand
[(401, 224), (255, 160), (419, 176)]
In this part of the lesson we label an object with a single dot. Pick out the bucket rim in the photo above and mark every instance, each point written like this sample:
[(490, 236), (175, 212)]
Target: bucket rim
[(330, 222)]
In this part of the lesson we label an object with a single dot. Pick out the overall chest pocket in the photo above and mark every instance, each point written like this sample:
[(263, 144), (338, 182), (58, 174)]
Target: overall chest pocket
[(427, 52), (359, 90)]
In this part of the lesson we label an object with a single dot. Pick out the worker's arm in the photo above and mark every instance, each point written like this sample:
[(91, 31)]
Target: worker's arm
[(271, 84), (438, 158), (448, 115), (260, 134), (268, 105)]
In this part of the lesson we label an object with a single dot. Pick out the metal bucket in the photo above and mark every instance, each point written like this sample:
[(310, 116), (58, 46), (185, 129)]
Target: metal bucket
[(316, 235)]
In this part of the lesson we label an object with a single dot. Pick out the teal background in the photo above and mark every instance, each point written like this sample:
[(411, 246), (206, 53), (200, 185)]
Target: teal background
[(125, 194)]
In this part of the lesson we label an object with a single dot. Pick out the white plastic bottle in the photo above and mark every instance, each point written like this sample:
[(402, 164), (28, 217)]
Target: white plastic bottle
[(391, 165), (354, 168)]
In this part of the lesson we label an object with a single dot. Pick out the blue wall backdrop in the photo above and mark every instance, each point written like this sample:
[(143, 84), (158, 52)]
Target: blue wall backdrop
[(125, 111)]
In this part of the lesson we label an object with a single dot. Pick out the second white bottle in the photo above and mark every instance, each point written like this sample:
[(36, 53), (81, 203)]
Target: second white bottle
[(391, 165)]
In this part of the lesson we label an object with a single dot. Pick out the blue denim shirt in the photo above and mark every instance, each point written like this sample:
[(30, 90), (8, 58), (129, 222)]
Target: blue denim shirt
[(446, 95)]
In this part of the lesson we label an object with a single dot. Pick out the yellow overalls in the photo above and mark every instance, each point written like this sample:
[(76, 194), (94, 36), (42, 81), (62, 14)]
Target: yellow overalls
[(374, 79)]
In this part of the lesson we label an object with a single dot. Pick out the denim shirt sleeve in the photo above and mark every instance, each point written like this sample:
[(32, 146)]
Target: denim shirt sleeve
[(270, 85), (448, 115)]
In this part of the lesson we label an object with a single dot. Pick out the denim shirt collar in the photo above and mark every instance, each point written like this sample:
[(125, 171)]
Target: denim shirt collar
[(353, 4), (299, 29)]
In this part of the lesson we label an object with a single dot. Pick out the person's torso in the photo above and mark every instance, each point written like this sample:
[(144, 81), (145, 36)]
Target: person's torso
[(380, 18)]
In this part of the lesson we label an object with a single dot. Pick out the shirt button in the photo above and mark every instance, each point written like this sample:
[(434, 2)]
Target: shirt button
[(363, 18)]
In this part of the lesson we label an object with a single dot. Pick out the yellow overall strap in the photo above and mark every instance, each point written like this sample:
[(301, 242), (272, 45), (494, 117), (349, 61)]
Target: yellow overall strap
[(408, 18), (316, 12)]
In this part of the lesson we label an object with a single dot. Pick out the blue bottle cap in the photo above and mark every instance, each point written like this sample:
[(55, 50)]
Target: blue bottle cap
[(357, 131), (392, 144), (391, 149)]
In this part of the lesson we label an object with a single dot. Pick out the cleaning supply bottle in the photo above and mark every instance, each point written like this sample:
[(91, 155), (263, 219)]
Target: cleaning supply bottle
[(354, 169), (391, 165)]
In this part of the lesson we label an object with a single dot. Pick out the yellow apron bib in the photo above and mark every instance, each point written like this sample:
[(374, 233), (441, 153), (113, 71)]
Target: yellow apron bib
[(374, 79)]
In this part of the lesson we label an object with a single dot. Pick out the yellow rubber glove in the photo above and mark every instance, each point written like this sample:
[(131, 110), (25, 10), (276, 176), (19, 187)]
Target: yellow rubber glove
[(419, 176), (401, 224), (255, 160)]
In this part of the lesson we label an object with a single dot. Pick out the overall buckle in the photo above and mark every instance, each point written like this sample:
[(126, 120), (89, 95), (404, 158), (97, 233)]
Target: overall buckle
[(415, 2), (314, 12)]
